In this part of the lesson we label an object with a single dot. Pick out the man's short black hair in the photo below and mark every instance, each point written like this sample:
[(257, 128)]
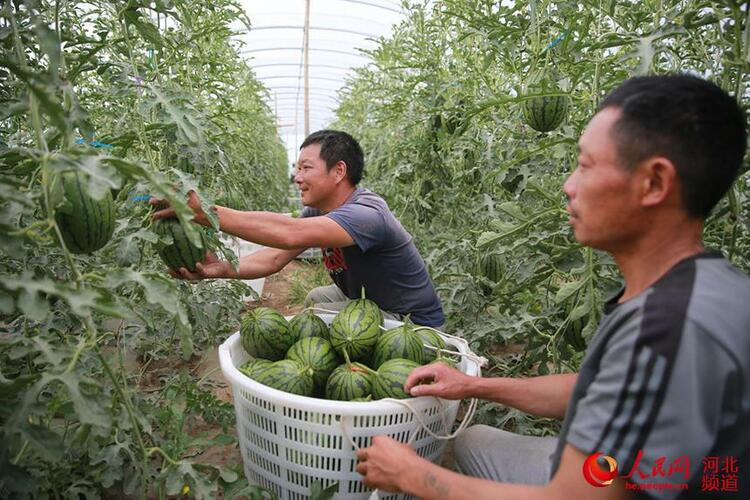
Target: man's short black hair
[(688, 120), (336, 146)]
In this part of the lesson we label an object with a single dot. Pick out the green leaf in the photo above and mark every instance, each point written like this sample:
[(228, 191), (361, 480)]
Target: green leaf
[(514, 210), (82, 392), (487, 238), (49, 43), (32, 304), (317, 492), (568, 289), (48, 444)]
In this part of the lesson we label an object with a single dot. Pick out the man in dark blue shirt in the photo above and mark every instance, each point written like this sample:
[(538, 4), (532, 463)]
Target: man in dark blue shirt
[(363, 244)]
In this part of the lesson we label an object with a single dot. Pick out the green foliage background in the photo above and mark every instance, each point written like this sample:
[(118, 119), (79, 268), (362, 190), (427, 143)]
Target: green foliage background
[(145, 98), (439, 115)]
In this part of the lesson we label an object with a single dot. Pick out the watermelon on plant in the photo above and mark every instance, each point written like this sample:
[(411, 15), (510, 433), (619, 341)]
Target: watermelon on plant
[(289, 376), (266, 334), (545, 113), (491, 267), (86, 224), (181, 252), (391, 377), (308, 324), (317, 354), (356, 328), (399, 342), (349, 382)]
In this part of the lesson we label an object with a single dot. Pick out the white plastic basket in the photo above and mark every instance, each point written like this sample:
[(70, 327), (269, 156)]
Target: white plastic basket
[(288, 441)]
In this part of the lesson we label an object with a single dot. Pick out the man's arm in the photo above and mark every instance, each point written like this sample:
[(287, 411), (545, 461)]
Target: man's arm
[(279, 231), (393, 466), (546, 396), (256, 265), (268, 228)]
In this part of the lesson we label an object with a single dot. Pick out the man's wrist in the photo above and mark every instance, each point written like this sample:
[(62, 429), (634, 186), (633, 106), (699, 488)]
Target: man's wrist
[(414, 473)]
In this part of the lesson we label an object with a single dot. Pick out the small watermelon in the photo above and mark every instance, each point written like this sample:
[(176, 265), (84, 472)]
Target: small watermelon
[(391, 377), (289, 376), (307, 324), (266, 334), (430, 337), (253, 367), (86, 224), (349, 382), (545, 113), (317, 354), (399, 342), (491, 267), (181, 252), (356, 328)]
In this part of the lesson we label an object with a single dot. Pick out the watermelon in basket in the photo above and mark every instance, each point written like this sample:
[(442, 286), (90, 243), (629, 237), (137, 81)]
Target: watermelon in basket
[(289, 441)]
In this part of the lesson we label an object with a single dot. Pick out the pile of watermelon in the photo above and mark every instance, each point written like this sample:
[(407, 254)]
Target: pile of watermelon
[(353, 360)]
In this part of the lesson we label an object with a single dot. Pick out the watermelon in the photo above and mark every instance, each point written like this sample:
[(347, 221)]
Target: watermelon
[(349, 382), (318, 355), (86, 224), (253, 367), (391, 377), (430, 337), (266, 334), (289, 376), (307, 324), (399, 342), (181, 252), (356, 328), (491, 267), (545, 113)]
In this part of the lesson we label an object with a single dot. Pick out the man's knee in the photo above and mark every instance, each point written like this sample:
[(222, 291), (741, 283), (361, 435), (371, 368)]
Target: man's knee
[(324, 295), (468, 444)]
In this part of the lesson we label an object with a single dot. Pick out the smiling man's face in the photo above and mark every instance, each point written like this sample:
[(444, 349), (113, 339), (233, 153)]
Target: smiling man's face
[(315, 181)]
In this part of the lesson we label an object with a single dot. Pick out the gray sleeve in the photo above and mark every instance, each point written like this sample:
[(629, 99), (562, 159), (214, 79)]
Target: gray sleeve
[(649, 412), (364, 224)]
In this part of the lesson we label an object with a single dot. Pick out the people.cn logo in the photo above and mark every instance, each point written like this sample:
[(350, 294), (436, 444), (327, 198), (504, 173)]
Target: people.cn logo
[(599, 469)]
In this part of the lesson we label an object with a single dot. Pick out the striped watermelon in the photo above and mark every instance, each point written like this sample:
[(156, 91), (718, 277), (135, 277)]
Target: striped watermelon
[(266, 334), (430, 337), (349, 382), (356, 328), (399, 342), (545, 113), (289, 376), (181, 252), (491, 267), (307, 324), (391, 377), (253, 367), (317, 354), (86, 224)]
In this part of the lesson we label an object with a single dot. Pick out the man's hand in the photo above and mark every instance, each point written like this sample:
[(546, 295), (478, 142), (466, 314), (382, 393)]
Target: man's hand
[(384, 463), (166, 212), (438, 379), (211, 267)]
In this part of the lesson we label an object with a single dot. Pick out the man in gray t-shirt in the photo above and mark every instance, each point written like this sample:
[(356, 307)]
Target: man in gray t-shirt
[(383, 261), (661, 406), (363, 244)]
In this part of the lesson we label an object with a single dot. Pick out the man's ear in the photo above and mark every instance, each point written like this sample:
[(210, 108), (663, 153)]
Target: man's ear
[(340, 170), (658, 180)]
